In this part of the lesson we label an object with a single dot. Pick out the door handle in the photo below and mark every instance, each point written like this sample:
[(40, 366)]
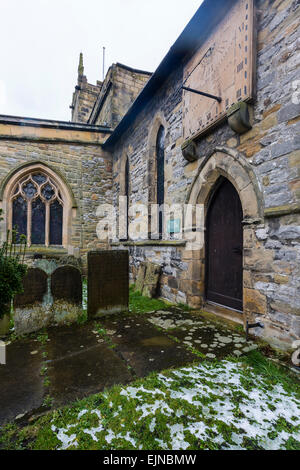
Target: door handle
[(238, 251)]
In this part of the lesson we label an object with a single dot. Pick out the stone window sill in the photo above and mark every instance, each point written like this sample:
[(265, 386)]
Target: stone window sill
[(43, 250), (151, 243)]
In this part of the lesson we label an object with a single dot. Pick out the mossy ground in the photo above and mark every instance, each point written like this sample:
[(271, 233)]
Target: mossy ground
[(139, 304), (234, 403), (246, 403)]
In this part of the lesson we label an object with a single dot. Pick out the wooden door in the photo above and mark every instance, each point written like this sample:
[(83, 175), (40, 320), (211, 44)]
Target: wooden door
[(224, 248)]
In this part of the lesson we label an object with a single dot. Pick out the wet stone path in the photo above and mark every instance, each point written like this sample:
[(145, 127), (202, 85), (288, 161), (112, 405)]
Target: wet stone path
[(212, 340), (70, 363)]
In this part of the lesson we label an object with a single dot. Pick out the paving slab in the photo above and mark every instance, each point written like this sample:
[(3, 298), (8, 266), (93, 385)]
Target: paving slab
[(144, 347), (79, 366), (21, 386), (68, 340), (81, 361), (207, 337)]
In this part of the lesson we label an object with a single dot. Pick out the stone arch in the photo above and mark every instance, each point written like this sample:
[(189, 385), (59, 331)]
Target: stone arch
[(158, 121), (233, 166), (10, 181), (230, 164), (45, 167)]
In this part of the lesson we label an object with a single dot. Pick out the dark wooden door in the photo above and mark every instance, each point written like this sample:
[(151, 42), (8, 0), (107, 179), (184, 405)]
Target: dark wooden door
[(224, 248)]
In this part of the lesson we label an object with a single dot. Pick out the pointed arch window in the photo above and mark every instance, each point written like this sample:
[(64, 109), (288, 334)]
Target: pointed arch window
[(127, 182), (37, 209), (160, 177)]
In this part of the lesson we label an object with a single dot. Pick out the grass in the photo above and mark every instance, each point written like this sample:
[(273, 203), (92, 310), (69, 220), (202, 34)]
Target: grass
[(139, 304), (246, 404)]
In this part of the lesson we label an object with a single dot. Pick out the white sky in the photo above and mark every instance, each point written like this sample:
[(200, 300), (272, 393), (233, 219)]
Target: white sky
[(40, 42)]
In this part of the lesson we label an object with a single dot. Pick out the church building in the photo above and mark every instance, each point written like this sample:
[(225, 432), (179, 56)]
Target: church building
[(196, 166)]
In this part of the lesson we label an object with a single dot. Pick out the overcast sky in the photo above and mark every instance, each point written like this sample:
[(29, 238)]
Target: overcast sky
[(40, 42)]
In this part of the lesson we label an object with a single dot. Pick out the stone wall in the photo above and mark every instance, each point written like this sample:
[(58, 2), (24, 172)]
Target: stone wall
[(83, 166), (120, 88), (263, 164), (84, 99), (84, 96)]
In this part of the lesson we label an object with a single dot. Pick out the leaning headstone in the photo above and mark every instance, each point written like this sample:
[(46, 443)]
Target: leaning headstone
[(31, 312), (139, 285), (66, 291), (151, 280), (108, 282)]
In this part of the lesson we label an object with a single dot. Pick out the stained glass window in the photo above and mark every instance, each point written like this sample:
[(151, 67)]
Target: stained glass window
[(56, 218), (20, 216), (38, 220), (37, 210)]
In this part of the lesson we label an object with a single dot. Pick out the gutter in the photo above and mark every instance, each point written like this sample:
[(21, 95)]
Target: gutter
[(51, 124)]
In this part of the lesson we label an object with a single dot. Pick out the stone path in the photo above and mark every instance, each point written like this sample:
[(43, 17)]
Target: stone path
[(212, 339), (21, 386), (74, 362)]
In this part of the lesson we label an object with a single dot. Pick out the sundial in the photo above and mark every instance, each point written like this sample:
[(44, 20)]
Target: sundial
[(223, 69)]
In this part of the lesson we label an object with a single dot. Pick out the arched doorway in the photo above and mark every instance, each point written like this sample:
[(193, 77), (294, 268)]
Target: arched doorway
[(224, 247)]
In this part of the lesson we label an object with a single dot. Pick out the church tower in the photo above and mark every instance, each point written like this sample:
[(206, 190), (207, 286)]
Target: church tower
[(84, 96)]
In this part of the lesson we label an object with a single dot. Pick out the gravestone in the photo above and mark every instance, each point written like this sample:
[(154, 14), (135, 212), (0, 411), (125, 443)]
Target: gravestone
[(66, 284), (34, 288), (31, 313), (139, 285), (148, 279), (66, 291), (151, 280), (108, 282)]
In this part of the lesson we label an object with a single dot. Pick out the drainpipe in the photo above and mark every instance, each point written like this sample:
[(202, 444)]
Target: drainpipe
[(250, 326)]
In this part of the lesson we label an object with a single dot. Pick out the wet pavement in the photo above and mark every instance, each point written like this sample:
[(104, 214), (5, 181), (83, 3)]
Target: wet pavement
[(70, 363), (21, 385), (80, 366), (211, 339), (145, 348)]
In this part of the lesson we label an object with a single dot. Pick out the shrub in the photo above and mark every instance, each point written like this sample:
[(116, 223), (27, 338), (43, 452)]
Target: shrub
[(12, 267)]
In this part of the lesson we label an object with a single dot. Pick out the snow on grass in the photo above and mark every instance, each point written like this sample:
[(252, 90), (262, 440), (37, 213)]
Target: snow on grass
[(225, 405)]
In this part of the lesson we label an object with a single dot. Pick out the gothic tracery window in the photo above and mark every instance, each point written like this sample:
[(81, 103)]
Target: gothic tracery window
[(37, 209)]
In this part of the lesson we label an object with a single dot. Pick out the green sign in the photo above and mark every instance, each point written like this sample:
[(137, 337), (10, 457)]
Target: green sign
[(174, 226)]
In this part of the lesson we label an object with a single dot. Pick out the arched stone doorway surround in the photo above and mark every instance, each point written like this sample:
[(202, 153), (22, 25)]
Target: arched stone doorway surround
[(230, 164)]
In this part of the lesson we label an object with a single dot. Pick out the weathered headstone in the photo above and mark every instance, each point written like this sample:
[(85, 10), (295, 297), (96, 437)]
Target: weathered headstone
[(148, 279), (66, 291), (108, 282), (34, 288), (30, 312), (139, 285), (66, 284), (151, 280)]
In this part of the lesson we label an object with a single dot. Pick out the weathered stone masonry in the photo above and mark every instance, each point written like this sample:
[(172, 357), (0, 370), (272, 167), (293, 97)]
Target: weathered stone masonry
[(71, 153), (120, 119), (263, 165)]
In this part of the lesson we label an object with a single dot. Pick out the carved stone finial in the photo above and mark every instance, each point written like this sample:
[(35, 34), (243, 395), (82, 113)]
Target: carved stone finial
[(81, 67)]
